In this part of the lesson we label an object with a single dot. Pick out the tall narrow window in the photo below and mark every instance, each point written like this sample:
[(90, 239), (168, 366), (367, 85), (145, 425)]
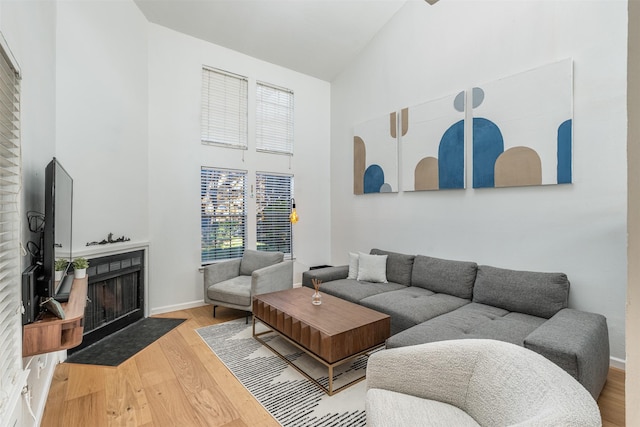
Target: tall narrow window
[(274, 119), (273, 204), (224, 108), (223, 215), (10, 172)]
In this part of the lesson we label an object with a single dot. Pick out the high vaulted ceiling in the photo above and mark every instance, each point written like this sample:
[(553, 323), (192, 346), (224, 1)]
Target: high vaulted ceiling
[(314, 37)]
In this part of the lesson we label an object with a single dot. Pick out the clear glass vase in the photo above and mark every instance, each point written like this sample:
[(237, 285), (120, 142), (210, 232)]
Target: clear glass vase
[(316, 298)]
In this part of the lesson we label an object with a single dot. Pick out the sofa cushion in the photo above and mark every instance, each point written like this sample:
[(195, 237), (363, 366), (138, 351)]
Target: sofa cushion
[(254, 260), (537, 294), (470, 321), (372, 268), (444, 276), (399, 266), (354, 291), (233, 291), (412, 305)]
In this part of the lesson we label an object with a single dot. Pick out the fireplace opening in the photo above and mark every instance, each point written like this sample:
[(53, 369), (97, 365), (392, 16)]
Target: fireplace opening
[(115, 295)]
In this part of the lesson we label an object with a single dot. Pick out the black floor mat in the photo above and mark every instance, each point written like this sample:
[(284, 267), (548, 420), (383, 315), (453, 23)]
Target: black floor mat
[(118, 347)]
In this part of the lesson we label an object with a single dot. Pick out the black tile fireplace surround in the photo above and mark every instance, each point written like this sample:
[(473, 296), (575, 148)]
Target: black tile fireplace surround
[(115, 296)]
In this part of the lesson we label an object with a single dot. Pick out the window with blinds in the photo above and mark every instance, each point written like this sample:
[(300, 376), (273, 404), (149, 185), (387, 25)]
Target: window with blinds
[(274, 119), (10, 170), (224, 108), (223, 215), (273, 205)]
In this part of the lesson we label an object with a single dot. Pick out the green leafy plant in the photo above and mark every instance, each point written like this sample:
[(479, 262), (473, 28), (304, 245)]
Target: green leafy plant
[(60, 264), (80, 263)]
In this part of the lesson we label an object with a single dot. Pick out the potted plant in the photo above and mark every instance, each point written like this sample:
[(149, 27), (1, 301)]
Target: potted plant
[(80, 265), (60, 265)]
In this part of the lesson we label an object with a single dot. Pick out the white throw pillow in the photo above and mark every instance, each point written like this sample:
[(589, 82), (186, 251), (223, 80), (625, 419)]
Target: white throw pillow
[(372, 268), (353, 266)]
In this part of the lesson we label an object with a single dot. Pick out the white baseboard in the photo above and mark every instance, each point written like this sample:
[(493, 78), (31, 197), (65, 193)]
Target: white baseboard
[(617, 363), (176, 307)]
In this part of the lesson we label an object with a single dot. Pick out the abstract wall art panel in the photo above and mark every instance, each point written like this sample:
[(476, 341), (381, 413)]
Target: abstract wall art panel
[(375, 156), (522, 128), (432, 148)]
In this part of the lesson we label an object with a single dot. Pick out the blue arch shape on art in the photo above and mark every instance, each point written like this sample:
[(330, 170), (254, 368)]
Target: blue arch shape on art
[(488, 144), (451, 157), (564, 152), (373, 179)]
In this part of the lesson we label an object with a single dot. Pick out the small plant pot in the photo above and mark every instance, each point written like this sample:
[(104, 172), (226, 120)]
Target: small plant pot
[(80, 273)]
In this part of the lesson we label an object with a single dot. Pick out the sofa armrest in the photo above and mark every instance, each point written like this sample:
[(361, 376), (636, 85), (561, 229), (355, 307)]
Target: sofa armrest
[(276, 277), (578, 342), (219, 272), (326, 274)]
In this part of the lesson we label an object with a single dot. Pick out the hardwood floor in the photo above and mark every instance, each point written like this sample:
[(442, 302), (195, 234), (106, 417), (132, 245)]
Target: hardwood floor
[(178, 381)]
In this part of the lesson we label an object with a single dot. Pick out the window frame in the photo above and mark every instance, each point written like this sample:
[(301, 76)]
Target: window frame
[(228, 206), (224, 118), (280, 217), (275, 118)]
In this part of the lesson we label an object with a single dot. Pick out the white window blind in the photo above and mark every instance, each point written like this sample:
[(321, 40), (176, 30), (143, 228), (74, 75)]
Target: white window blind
[(224, 108), (274, 119), (223, 215), (10, 176), (273, 205)]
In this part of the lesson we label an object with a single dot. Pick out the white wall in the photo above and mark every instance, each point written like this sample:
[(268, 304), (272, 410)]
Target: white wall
[(176, 155), (84, 100), (29, 28), (632, 386), (101, 107), (427, 52)]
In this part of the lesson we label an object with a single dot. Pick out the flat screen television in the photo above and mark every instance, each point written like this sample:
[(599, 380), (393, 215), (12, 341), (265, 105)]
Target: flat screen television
[(58, 208)]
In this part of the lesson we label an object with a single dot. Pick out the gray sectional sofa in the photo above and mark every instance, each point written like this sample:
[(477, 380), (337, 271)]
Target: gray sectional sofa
[(431, 299)]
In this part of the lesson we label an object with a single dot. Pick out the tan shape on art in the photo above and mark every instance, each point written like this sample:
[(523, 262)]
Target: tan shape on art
[(359, 164), (426, 174), (518, 166), (393, 124), (404, 117)]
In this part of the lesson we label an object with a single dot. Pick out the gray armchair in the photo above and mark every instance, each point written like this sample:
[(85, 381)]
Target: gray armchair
[(473, 383), (233, 283)]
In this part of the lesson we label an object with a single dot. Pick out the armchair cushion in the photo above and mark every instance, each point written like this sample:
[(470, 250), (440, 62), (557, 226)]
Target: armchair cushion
[(254, 260), (235, 291)]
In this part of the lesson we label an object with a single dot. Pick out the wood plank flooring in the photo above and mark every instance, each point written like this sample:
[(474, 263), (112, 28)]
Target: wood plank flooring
[(178, 381)]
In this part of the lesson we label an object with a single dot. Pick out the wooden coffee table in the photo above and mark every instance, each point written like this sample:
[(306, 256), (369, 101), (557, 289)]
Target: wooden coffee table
[(333, 333)]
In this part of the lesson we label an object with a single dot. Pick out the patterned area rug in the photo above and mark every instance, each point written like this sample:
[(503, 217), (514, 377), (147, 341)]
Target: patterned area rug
[(292, 399)]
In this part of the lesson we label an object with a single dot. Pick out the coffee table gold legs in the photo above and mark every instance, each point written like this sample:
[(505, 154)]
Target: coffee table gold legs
[(329, 390)]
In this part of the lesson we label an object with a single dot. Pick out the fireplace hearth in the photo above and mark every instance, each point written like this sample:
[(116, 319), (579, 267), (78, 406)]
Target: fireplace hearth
[(115, 295)]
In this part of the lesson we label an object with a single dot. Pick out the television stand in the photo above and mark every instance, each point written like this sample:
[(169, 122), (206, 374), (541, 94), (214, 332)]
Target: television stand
[(53, 334)]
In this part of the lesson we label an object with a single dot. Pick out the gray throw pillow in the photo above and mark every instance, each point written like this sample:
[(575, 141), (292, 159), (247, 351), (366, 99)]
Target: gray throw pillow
[(399, 266), (254, 260)]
